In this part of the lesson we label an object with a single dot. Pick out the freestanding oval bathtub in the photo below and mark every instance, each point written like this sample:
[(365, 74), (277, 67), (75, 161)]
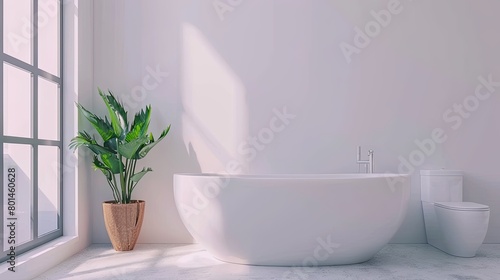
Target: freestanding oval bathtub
[(292, 220)]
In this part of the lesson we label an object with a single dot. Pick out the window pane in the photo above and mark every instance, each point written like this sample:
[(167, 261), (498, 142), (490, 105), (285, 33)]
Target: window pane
[(48, 36), (48, 110), (17, 29), (16, 101), (48, 189), (17, 161)]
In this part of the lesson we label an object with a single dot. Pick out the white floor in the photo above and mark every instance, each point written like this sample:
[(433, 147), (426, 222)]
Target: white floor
[(178, 262)]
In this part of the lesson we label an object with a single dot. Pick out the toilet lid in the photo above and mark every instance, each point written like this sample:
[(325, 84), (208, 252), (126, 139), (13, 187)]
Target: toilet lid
[(463, 206)]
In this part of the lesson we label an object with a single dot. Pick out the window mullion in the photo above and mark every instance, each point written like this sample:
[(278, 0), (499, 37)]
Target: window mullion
[(35, 120), (28, 67)]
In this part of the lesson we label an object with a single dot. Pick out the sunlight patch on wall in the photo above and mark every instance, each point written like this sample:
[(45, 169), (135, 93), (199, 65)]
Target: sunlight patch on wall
[(215, 118)]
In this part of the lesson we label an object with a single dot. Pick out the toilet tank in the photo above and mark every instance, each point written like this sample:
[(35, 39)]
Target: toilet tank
[(441, 185)]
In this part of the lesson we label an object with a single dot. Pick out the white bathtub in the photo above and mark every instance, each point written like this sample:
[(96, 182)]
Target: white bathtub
[(292, 220)]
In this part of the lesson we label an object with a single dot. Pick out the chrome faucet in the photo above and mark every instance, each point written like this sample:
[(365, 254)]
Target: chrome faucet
[(368, 163)]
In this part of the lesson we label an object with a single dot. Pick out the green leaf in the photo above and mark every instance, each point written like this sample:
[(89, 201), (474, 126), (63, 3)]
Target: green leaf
[(105, 170), (81, 139), (138, 176), (130, 150), (103, 127), (98, 150), (112, 162), (117, 114), (140, 126), (111, 144), (85, 140), (145, 150)]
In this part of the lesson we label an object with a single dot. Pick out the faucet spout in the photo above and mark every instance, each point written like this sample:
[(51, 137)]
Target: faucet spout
[(368, 163)]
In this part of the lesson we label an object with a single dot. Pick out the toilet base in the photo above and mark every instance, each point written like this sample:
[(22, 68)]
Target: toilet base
[(455, 255), (447, 233), (434, 235)]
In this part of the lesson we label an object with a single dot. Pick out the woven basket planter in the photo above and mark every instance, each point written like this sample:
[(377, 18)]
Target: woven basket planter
[(123, 223)]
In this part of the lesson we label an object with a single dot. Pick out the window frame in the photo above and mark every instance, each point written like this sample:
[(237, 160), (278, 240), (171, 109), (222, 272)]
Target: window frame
[(33, 141)]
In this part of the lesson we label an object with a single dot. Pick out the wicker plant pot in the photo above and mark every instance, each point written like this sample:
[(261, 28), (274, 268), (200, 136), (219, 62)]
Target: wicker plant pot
[(123, 223)]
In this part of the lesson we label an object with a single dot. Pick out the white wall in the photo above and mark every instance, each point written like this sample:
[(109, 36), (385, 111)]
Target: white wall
[(227, 72)]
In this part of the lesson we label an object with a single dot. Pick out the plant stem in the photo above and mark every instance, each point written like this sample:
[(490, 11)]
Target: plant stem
[(127, 179), (112, 188), (115, 190), (129, 176), (122, 178), (131, 183), (133, 187)]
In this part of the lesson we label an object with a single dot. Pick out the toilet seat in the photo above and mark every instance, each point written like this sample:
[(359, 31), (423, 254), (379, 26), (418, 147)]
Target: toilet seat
[(462, 206)]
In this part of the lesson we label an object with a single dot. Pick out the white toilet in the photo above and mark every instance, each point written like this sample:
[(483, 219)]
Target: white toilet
[(453, 226)]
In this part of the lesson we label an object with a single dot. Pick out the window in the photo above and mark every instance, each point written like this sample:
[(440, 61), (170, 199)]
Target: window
[(30, 123)]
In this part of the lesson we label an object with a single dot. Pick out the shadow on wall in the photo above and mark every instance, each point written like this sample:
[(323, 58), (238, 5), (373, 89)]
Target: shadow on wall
[(231, 73)]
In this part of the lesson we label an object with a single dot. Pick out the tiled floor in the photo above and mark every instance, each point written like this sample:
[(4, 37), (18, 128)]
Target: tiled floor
[(178, 262)]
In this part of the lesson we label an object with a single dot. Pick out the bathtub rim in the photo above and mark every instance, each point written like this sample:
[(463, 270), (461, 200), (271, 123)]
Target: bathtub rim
[(305, 176)]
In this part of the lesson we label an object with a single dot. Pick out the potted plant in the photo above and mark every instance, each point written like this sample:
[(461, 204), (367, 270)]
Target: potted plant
[(122, 144)]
